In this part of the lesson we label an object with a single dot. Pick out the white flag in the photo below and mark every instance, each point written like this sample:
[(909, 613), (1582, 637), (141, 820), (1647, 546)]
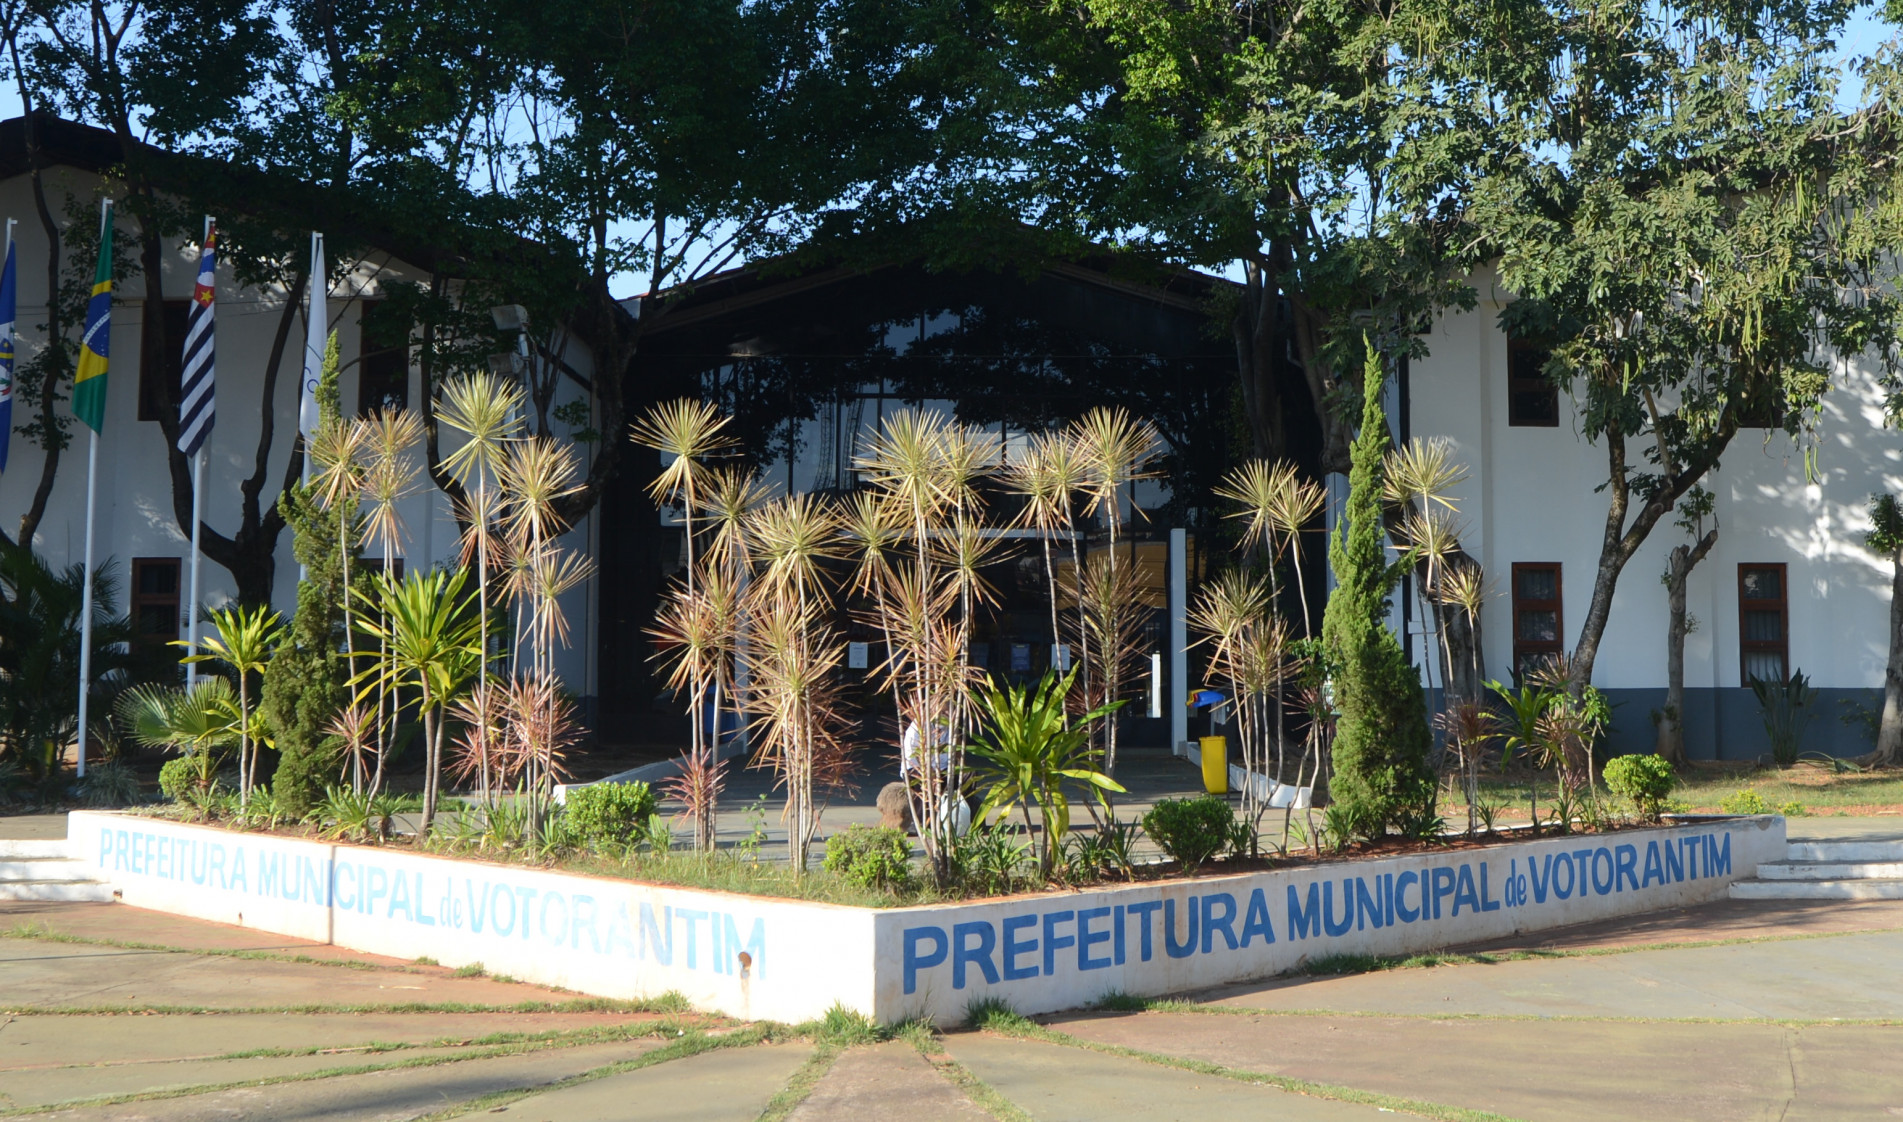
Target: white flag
[(317, 331)]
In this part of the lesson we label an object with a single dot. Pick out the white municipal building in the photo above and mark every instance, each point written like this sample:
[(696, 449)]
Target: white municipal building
[(1789, 585)]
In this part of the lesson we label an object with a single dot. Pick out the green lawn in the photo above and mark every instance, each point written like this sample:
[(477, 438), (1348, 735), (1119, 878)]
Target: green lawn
[(1702, 787)]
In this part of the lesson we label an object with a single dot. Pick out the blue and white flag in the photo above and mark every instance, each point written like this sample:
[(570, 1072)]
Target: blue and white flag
[(9, 311), (195, 406)]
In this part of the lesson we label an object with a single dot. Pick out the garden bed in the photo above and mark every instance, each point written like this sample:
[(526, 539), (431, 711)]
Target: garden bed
[(784, 959)]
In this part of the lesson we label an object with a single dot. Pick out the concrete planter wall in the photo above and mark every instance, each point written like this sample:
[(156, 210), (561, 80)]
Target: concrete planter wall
[(787, 960)]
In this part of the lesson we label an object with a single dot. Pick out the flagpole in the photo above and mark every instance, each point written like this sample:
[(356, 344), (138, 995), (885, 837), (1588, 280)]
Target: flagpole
[(86, 598), (198, 499), (86, 575)]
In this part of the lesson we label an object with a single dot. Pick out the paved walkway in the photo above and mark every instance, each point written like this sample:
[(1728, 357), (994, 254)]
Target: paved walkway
[(1736, 1010)]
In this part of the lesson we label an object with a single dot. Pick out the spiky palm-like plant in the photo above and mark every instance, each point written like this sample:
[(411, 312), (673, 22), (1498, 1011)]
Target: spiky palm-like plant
[(1115, 451), (429, 625), (793, 694), (244, 641), (1418, 479), (1278, 506), (339, 452), (487, 409), (355, 730), (1045, 477), (792, 691), (922, 471), (541, 726), (390, 438), (693, 634)]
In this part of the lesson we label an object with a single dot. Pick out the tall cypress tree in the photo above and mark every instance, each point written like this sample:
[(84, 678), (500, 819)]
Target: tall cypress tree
[(304, 684), (1381, 773)]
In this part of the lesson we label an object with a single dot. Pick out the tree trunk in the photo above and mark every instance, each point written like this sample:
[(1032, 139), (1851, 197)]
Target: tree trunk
[(1621, 542), (56, 367), (1890, 731), (1678, 567)]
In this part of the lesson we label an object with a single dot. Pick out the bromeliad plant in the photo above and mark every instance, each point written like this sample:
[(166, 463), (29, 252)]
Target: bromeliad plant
[(1028, 749)]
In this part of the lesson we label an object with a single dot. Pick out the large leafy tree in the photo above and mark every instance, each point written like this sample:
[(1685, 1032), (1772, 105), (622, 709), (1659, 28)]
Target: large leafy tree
[(1673, 193), (1313, 148)]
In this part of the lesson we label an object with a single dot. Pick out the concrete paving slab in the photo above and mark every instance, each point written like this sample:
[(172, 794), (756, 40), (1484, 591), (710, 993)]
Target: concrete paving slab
[(1713, 922), (1832, 828), (1852, 976), (48, 975), (47, 1087), (120, 923), (384, 1096), (889, 1080), (1568, 1071), (1054, 1083), (729, 1084), (29, 1042), (32, 826)]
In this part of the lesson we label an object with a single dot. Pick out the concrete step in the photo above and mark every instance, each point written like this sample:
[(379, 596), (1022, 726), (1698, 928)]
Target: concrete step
[(36, 847), (1831, 870), (42, 868), (68, 891), (1844, 889), (1887, 850)]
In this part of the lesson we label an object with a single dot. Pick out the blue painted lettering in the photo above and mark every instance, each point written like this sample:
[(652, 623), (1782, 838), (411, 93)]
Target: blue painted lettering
[(1053, 942), (966, 953), (1086, 939), (1224, 922), (914, 960), (1013, 947), (1188, 946)]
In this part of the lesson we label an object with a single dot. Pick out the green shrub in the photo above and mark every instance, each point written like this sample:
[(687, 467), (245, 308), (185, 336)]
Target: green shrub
[(609, 813), (870, 856), (1645, 780), (1744, 801), (1794, 809), (1191, 830)]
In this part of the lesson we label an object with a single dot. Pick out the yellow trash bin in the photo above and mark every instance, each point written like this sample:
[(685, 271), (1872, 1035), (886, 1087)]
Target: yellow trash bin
[(1215, 750)]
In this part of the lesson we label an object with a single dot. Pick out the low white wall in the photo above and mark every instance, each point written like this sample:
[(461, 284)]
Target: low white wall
[(747, 956), (1046, 953), (754, 957)]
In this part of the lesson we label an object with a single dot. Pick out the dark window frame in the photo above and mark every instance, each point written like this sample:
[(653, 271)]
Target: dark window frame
[(140, 600), (380, 368), (1526, 649), (1532, 398), (159, 394), (1781, 647)]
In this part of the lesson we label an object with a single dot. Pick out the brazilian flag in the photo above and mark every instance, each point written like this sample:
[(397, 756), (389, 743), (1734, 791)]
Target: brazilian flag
[(89, 383)]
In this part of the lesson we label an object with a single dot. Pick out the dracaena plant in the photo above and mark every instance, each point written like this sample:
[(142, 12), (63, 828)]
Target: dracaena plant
[(1028, 751)]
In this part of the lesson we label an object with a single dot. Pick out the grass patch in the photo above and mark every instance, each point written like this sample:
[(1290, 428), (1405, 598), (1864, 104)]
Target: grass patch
[(472, 970), (994, 1014), (924, 1038), (424, 960), (846, 1028), (1815, 787), (1116, 1001), (801, 1083)]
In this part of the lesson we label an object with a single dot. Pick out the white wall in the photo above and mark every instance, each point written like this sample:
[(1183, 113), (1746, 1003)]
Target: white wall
[(1530, 496), (136, 513), (791, 960)]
